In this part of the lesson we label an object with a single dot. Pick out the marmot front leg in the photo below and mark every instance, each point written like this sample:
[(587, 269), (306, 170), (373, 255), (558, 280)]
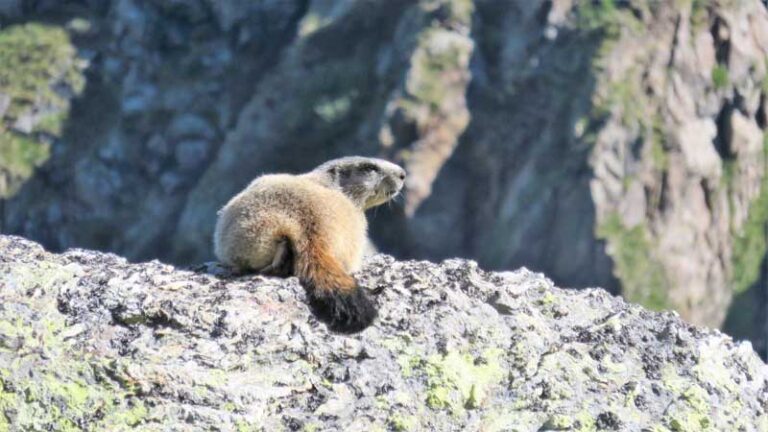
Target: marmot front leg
[(282, 263)]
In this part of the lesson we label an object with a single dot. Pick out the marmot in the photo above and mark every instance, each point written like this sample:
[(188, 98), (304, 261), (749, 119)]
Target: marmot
[(312, 226)]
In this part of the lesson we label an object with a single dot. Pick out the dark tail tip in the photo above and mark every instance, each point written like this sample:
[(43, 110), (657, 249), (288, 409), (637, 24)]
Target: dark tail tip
[(343, 312)]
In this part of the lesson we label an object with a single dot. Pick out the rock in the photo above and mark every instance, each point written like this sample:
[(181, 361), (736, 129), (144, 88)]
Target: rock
[(673, 90), (158, 146), (113, 345), (25, 122), (191, 153), (5, 102), (696, 140), (10, 8), (746, 137), (138, 100), (190, 125), (526, 130), (171, 182)]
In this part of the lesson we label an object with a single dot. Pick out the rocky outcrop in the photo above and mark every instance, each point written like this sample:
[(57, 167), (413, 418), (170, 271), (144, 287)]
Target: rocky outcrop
[(679, 159), (614, 144), (91, 341)]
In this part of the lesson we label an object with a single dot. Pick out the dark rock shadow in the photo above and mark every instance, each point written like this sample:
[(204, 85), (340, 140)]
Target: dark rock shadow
[(747, 319)]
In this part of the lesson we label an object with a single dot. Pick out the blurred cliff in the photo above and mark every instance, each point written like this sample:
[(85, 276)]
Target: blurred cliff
[(606, 143)]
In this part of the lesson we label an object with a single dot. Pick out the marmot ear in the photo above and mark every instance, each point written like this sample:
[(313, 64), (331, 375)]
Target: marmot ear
[(334, 172)]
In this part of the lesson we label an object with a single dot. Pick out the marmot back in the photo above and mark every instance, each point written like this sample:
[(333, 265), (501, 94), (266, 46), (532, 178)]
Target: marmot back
[(312, 226)]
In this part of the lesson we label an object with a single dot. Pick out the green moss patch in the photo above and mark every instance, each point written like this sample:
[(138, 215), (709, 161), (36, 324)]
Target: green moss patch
[(720, 79), (19, 156), (643, 278), (605, 16), (32, 58), (749, 244), (39, 74)]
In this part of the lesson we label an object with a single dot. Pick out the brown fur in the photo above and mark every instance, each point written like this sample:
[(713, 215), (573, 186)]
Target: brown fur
[(318, 265), (318, 220)]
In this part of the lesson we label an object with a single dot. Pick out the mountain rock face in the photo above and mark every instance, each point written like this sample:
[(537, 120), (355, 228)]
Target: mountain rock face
[(90, 341), (679, 160), (606, 143)]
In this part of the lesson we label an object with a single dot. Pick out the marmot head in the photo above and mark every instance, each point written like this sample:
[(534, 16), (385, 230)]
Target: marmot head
[(368, 182)]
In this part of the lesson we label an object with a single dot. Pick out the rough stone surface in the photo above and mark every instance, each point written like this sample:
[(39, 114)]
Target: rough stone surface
[(606, 143), (90, 341)]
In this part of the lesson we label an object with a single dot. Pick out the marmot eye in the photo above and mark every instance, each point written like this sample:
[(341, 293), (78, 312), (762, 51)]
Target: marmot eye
[(368, 167)]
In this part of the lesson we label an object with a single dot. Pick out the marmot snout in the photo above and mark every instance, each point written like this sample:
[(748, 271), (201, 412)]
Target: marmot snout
[(312, 226)]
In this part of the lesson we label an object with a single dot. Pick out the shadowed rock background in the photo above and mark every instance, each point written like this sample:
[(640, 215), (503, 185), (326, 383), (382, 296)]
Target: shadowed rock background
[(606, 143)]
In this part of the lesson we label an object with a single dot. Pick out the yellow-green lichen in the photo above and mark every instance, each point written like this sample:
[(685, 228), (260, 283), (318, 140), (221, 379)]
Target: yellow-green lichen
[(460, 381), (243, 426), (44, 274), (547, 299), (69, 396), (126, 419), (407, 364), (403, 423), (8, 400), (690, 422), (712, 370), (690, 410), (584, 422), (672, 381), (69, 389), (559, 422)]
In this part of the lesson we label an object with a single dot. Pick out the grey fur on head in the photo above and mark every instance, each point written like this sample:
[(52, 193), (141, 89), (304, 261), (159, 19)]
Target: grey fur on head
[(368, 182)]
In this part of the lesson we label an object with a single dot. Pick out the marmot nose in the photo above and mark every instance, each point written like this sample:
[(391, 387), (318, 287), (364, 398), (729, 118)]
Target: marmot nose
[(401, 175)]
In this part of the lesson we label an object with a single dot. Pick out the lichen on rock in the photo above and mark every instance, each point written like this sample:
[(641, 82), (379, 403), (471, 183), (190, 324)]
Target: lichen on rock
[(524, 129), (90, 341)]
